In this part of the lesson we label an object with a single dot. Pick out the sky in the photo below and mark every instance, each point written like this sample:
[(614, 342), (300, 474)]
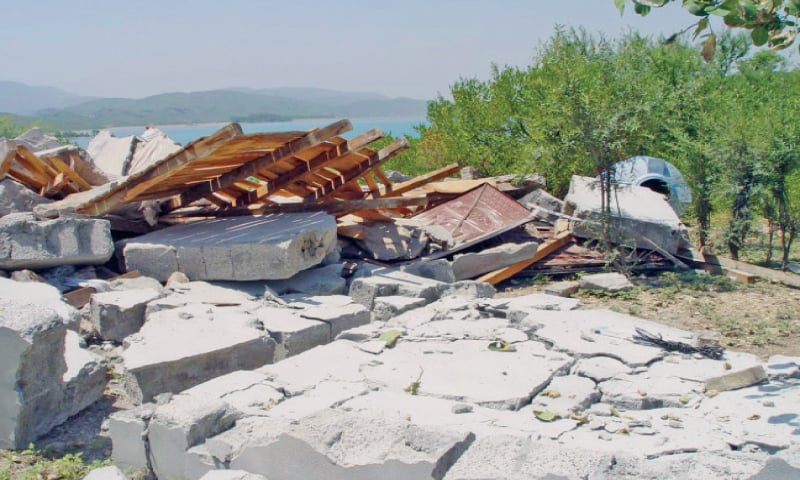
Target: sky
[(410, 48)]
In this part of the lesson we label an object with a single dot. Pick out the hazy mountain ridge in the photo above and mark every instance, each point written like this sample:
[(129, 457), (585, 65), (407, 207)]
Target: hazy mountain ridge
[(217, 106)]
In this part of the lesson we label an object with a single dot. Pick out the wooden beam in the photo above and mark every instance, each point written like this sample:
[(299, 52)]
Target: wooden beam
[(784, 278), (545, 249), (8, 151), (363, 167), (253, 166), (33, 163), (113, 197), (408, 185), (62, 167)]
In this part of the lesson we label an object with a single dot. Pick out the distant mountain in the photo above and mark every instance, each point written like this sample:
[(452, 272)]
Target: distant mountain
[(231, 104), (25, 99)]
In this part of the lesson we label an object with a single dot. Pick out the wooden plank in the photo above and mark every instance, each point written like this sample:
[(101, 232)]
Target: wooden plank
[(55, 186), (545, 249), (363, 167), (408, 185), (784, 278), (382, 177), (34, 163), (62, 167), (259, 163), (112, 198), (8, 151), (740, 276)]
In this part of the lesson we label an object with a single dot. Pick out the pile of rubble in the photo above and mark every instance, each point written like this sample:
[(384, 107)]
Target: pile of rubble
[(278, 305)]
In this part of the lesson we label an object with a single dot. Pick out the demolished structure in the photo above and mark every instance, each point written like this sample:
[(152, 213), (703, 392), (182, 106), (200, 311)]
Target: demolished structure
[(279, 306)]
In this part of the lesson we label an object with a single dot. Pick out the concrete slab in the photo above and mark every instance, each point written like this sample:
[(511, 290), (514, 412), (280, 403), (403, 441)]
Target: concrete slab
[(185, 421), (695, 369), (644, 391), (115, 315), (474, 264), (41, 294), (29, 243), (608, 282), (386, 282), (518, 308), (337, 445), (340, 360), (248, 392), (720, 464), (338, 317), (195, 293), (327, 394), (391, 241), (324, 280), (468, 371), (213, 341), (564, 289), (231, 475), (638, 213), (16, 198), (510, 458), (106, 473), (112, 154), (588, 333), (292, 333), (32, 355), (600, 369), (386, 308), (128, 431), (268, 247), (565, 395), (85, 378)]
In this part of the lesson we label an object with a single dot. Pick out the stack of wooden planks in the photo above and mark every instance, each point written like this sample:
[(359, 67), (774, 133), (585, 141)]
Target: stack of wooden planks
[(49, 176)]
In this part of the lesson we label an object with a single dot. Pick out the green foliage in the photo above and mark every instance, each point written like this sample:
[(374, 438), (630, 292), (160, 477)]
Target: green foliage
[(773, 22), (30, 464), (10, 127)]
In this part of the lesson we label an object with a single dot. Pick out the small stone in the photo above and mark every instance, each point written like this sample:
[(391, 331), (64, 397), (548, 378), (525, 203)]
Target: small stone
[(461, 408)]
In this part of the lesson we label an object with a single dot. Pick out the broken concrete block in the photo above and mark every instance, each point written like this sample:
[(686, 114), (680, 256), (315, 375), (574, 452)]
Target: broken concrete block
[(16, 198), (474, 264), (185, 421), (115, 315), (439, 269), (106, 473), (325, 395), (386, 308), (189, 293), (326, 280), (269, 247), (28, 243), (564, 289), (468, 289), (609, 282), (739, 379), (340, 312), (565, 395), (26, 276), (32, 355), (600, 368), (182, 347), (292, 333), (389, 281), (391, 241), (644, 392), (138, 283), (36, 140), (128, 431), (111, 154), (247, 391), (364, 447), (231, 475), (545, 205), (639, 215), (41, 294), (156, 145), (85, 378), (78, 160), (468, 371)]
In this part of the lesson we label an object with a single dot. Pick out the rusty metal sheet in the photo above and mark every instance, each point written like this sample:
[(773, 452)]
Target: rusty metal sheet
[(480, 213)]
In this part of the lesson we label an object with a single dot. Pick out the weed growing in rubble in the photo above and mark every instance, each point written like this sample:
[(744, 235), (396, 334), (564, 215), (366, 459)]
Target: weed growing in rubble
[(31, 464)]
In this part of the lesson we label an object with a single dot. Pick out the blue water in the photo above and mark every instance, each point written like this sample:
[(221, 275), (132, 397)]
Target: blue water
[(184, 134)]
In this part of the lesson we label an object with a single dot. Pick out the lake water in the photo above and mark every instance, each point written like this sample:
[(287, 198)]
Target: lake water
[(184, 134)]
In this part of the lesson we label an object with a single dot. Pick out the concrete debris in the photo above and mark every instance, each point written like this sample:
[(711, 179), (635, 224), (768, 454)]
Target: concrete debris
[(117, 314), (111, 472), (235, 248), (28, 243), (36, 140), (389, 241), (738, 379), (231, 475), (214, 341), (324, 280), (544, 205), (111, 154), (609, 282), (565, 288), (474, 264), (16, 198), (41, 294), (641, 217), (154, 145)]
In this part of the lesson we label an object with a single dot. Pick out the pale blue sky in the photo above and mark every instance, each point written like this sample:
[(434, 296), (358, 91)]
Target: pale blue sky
[(413, 48)]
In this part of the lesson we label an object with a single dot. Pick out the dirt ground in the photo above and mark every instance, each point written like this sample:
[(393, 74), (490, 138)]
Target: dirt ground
[(762, 318)]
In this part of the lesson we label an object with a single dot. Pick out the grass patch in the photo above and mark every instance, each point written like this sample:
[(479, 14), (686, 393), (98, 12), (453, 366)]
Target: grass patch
[(31, 464)]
